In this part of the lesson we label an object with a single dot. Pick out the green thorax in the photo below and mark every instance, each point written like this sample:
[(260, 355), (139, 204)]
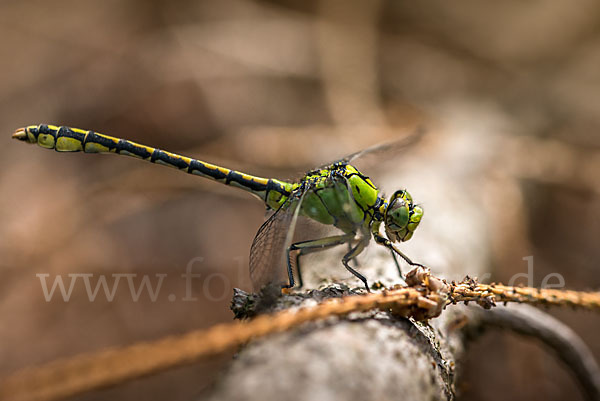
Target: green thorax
[(339, 195)]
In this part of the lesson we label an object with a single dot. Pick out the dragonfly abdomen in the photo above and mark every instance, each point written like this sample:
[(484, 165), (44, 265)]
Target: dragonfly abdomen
[(67, 139)]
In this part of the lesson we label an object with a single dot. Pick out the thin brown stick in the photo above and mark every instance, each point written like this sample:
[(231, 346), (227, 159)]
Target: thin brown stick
[(470, 290)]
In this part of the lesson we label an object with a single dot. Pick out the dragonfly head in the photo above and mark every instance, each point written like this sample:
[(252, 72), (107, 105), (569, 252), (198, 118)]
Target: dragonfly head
[(401, 217)]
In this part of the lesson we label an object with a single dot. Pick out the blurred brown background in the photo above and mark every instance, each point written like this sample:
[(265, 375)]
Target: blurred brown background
[(274, 88)]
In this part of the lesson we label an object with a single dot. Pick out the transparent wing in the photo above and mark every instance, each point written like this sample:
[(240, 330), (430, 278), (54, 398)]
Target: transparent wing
[(268, 259), (393, 146)]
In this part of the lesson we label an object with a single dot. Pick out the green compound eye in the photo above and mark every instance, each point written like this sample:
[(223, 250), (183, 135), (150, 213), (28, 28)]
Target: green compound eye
[(397, 215), (415, 218), (402, 217)]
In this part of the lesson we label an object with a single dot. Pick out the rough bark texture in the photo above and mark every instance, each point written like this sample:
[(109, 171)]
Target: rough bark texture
[(370, 356), (374, 355)]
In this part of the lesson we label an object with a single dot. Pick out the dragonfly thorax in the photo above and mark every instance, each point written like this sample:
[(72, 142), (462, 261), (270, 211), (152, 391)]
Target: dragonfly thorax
[(339, 195)]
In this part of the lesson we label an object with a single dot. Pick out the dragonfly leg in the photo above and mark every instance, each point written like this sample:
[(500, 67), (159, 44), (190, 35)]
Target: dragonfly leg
[(395, 251), (397, 264), (355, 259), (351, 255), (300, 282), (306, 247)]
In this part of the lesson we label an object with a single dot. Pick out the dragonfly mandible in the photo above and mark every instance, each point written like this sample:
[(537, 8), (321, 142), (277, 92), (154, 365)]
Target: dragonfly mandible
[(337, 194)]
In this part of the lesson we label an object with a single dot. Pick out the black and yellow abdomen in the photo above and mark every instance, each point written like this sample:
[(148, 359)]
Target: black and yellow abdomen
[(66, 139)]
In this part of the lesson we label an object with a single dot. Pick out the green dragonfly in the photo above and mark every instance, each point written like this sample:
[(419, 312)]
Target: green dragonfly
[(336, 194)]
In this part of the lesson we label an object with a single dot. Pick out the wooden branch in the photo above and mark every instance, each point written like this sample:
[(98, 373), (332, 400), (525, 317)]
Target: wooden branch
[(366, 355)]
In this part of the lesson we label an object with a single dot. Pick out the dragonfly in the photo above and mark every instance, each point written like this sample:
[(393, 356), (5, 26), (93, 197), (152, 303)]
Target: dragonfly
[(337, 194)]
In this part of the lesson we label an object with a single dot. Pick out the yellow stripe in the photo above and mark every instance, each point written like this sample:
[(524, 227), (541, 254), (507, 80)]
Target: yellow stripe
[(252, 178), (64, 144), (92, 147), (46, 141)]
